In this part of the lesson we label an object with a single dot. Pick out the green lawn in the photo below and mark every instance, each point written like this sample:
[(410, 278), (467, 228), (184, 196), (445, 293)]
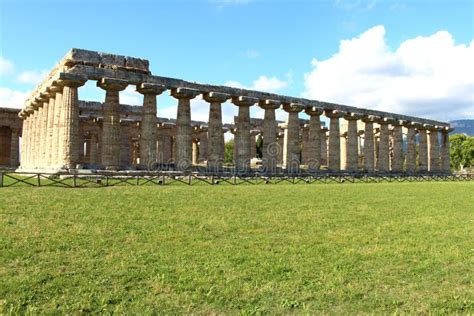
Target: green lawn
[(336, 248)]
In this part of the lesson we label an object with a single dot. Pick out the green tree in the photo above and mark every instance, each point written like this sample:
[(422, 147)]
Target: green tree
[(461, 151), (229, 151), (259, 146)]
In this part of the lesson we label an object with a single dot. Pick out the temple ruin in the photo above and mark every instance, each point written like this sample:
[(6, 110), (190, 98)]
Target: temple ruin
[(60, 133)]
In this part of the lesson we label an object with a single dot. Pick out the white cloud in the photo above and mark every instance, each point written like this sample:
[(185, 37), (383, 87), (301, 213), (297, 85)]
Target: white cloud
[(131, 96), (33, 77), (425, 76), (263, 83), (12, 98), (6, 66)]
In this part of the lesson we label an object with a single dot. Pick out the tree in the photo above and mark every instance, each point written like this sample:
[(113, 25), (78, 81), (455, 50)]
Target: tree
[(229, 151), (461, 151)]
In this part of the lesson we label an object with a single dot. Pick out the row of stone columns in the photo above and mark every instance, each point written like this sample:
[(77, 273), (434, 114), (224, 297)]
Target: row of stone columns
[(52, 126)]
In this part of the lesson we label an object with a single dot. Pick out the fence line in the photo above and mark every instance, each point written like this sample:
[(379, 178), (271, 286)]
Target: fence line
[(109, 179)]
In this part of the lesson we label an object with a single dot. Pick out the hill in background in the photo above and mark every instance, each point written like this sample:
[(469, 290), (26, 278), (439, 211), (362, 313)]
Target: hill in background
[(463, 127)]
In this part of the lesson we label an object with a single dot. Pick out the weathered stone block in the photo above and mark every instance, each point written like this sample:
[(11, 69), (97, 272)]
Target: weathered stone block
[(136, 63), (76, 55), (112, 60)]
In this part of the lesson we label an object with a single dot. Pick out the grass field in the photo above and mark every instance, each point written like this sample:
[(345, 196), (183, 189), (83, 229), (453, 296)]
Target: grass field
[(336, 248)]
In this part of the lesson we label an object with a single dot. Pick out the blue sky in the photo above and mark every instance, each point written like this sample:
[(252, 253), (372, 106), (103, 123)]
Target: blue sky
[(288, 47)]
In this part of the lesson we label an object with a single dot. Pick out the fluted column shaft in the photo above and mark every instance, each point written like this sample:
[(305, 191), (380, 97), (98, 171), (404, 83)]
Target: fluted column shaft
[(334, 148), (270, 148), (38, 130), (422, 150), (56, 153), (383, 153), (314, 146), (411, 150), (398, 155), (111, 132), (148, 133), (369, 145), (44, 134), (184, 132), (215, 148), (242, 137), (445, 156), (291, 158), (50, 131), (70, 124), (434, 160), (352, 147)]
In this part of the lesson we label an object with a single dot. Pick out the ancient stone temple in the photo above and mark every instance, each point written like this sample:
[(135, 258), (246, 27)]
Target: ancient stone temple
[(59, 132)]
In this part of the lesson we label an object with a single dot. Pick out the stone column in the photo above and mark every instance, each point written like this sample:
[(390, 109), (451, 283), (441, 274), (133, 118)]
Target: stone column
[(369, 143), (324, 146), (422, 150), (383, 153), (70, 119), (203, 145), (57, 150), (195, 151), (397, 140), (281, 145), (445, 156), (270, 148), (50, 125), (334, 150), (434, 160), (214, 134), (31, 137), (37, 131), (410, 159), (44, 131), (242, 137), (148, 124), (111, 138), (291, 150), (314, 145), (93, 150), (352, 144), (253, 143), (184, 131), (14, 148)]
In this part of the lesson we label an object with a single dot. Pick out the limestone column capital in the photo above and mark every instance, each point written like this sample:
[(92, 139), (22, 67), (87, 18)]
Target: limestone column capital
[(398, 123), (150, 88), (112, 84), (39, 101), (333, 113), (314, 111), (45, 96), (269, 104), (410, 124), (447, 129), (244, 101), (370, 118), (293, 107), (384, 120), (52, 90), (70, 80), (184, 93), (216, 97), (352, 116)]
